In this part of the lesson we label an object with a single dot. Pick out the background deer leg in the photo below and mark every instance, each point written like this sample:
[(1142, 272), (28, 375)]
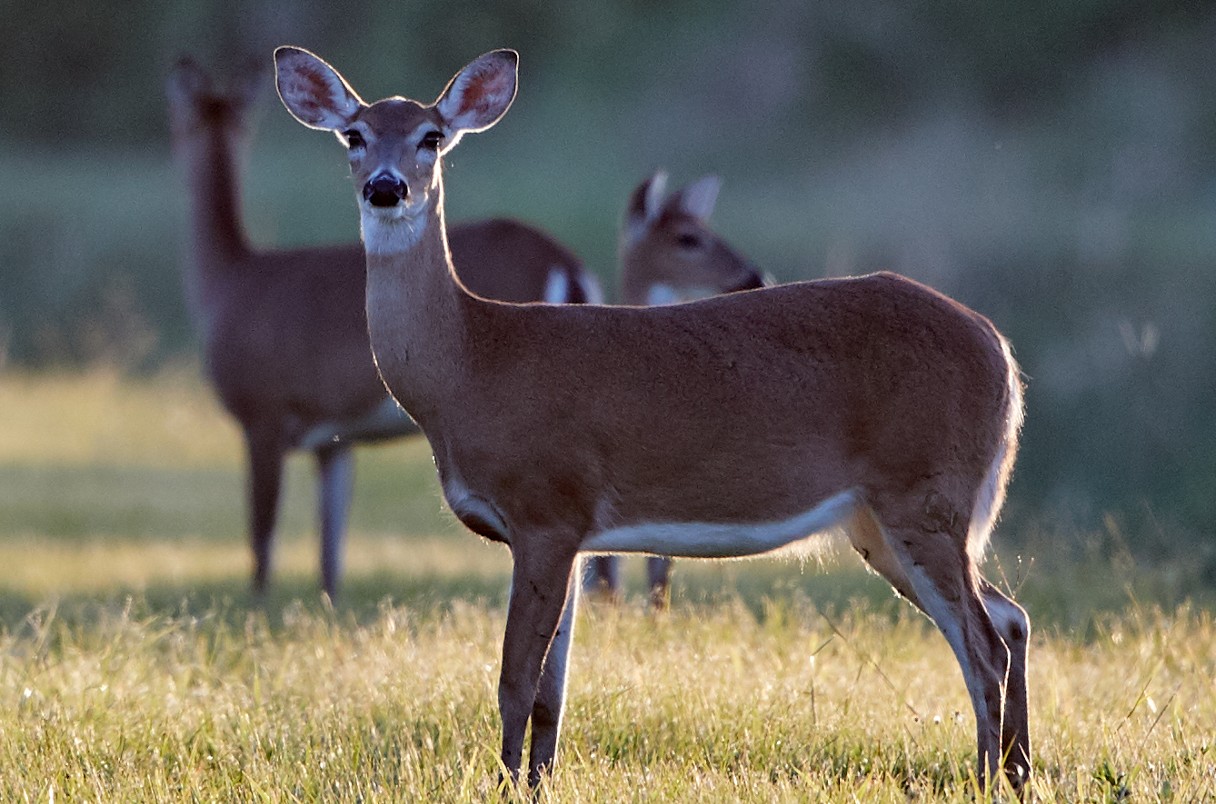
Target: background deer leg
[(658, 576), (335, 480), (264, 449), (604, 575)]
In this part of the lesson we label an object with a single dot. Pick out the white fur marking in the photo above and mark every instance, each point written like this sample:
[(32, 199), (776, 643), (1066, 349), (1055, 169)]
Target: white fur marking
[(591, 288), (1004, 615), (390, 235), (462, 500), (660, 294), (557, 286), (722, 540)]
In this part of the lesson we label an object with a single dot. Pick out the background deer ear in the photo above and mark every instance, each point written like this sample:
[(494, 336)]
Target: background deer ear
[(479, 95), (314, 92), (699, 198), (249, 82), (186, 81), (644, 204)]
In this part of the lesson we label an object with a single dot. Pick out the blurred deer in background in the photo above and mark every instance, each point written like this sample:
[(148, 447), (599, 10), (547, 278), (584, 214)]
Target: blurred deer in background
[(669, 254), (284, 332), (726, 427)]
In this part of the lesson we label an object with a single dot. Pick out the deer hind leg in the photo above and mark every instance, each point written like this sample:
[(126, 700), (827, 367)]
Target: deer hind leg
[(335, 479), (926, 553), (867, 538), (264, 448), (541, 601), (1013, 625)]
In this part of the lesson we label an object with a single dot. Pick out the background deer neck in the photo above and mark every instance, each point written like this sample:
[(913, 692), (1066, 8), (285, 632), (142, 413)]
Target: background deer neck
[(217, 242), (211, 165)]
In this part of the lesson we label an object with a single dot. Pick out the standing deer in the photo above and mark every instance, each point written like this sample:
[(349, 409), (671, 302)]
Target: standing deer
[(730, 426), (669, 254), (285, 332)]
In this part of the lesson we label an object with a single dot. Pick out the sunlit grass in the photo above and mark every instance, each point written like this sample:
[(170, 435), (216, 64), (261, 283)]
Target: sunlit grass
[(698, 703), (134, 667)]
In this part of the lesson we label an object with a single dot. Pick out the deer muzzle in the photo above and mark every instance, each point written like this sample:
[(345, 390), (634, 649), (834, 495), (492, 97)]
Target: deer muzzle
[(385, 190)]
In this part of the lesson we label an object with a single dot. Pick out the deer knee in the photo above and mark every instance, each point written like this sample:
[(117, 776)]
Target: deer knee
[(1010, 621)]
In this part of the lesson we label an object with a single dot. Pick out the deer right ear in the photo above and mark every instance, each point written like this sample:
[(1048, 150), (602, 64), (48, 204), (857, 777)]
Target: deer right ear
[(314, 92), (479, 95), (699, 198)]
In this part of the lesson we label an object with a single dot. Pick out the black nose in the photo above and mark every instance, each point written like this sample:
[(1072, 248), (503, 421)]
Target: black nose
[(385, 190), (752, 281)]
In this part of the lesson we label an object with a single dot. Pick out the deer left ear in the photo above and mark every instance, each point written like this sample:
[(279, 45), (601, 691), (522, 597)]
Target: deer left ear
[(480, 94), (645, 203)]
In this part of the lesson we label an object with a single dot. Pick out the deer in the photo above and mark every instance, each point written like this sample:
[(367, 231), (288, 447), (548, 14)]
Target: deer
[(284, 332), (731, 426), (668, 253)]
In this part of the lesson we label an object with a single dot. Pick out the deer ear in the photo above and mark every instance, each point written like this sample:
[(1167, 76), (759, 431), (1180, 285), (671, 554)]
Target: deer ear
[(479, 95), (645, 202), (314, 92), (699, 198), (186, 81), (249, 81)]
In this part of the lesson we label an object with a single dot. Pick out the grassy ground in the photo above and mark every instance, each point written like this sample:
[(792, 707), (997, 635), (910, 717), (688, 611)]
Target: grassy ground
[(132, 666)]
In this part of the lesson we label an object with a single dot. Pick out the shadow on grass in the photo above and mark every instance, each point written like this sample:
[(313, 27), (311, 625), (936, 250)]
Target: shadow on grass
[(230, 600)]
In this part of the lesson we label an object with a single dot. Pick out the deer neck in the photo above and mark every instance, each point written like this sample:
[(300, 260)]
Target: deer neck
[(634, 284), (415, 308), (633, 287), (217, 238)]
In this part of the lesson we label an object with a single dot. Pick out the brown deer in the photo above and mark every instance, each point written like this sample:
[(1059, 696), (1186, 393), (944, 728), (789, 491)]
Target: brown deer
[(285, 332), (669, 254), (730, 426)]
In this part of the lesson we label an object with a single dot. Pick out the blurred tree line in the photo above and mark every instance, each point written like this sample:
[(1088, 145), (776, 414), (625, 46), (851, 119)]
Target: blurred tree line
[(1051, 164)]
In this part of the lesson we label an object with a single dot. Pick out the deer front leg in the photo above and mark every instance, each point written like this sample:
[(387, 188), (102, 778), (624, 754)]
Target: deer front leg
[(541, 585), (551, 693)]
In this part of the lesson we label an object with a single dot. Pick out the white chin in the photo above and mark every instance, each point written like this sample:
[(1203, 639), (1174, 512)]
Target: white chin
[(390, 230)]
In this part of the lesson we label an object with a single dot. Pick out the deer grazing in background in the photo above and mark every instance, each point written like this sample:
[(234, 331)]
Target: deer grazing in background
[(285, 332), (669, 254), (730, 426)]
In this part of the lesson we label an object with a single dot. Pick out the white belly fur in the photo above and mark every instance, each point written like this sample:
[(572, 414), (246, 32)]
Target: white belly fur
[(723, 540)]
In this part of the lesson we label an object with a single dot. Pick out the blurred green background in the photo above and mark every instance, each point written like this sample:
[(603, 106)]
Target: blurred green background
[(1051, 164)]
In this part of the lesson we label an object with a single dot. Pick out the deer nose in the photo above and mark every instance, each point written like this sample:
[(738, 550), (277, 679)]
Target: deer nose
[(385, 190)]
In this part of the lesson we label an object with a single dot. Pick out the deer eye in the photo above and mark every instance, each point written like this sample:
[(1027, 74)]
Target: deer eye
[(353, 139), (431, 140), (689, 241)]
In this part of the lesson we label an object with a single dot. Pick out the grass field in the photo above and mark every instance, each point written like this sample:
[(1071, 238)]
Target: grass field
[(133, 668)]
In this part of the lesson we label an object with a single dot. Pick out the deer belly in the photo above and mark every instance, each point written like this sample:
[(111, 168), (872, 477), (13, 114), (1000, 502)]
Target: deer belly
[(723, 539)]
